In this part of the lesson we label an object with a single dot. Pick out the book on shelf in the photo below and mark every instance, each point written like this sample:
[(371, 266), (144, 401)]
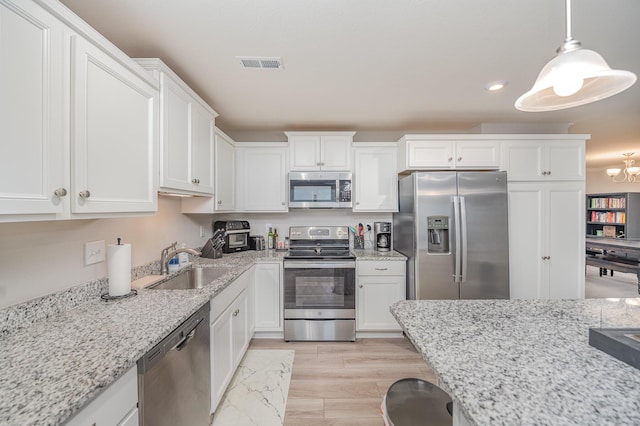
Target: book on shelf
[(608, 217), (608, 203)]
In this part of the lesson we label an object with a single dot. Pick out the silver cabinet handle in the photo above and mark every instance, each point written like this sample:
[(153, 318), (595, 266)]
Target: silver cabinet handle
[(195, 180), (318, 164), (357, 203), (548, 172), (459, 158), (381, 269), (450, 159), (546, 257), (84, 194), (60, 192), (361, 285), (236, 312), (219, 202)]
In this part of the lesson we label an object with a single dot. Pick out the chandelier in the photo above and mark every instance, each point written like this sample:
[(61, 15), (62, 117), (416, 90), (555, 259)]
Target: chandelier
[(628, 174)]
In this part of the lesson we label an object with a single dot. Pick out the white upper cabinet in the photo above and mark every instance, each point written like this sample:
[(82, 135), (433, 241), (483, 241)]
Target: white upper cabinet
[(375, 179), (558, 157), (186, 134), (114, 116), (262, 178), (224, 197), (78, 120), (33, 160), (320, 151), (447, 152)]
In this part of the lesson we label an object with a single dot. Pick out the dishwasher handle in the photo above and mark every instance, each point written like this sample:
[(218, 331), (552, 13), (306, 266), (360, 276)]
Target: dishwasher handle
[(184, 342)]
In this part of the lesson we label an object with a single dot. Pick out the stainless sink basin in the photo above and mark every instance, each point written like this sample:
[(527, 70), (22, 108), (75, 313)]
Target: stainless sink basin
[(193, 278)]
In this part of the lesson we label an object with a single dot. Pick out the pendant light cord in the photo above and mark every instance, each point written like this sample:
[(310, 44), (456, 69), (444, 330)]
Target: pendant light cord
[(568, 24)]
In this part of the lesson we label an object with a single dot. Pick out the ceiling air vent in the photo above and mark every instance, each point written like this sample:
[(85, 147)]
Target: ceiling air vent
[(260, 62)]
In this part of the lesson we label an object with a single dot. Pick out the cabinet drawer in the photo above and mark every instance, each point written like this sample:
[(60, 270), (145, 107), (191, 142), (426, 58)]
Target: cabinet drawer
[(224, 299), (381, 268)]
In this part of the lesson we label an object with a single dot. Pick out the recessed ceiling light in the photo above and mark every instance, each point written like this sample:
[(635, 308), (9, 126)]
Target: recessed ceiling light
[(494, 86)]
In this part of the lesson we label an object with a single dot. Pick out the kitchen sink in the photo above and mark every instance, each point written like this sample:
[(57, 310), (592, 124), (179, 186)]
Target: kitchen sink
[(193, 278)]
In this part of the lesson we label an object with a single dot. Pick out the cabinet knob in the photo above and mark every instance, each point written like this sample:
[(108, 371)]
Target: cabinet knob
[(548, 172), (450, 159), (236, 312), (195, 180), (318, 164), (357, 203), (459, 158), (361, 285), (84, 194), (219, 202), (60, 192), (546, 257)]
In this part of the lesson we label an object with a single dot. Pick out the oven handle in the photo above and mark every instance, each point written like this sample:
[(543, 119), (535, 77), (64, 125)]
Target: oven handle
[(319, 265)]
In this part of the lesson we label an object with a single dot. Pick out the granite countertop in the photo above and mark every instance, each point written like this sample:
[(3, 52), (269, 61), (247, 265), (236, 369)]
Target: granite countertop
[(64, 358), (508, 362), (53, 367)]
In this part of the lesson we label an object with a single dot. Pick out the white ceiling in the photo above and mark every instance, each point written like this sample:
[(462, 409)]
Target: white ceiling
[(382, 66)]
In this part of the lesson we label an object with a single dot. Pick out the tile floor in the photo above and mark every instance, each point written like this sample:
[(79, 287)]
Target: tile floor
[(342, 383)]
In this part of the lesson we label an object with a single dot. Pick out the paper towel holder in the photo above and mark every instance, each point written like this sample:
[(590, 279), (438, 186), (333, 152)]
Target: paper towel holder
[(106, 296)]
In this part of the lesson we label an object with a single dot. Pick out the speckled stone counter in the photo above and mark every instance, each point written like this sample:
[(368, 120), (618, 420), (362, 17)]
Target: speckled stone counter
[(518, 362), (53, 367), (368, 254)]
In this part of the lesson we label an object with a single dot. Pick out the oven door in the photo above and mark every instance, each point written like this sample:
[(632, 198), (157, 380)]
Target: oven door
[(321, 289)]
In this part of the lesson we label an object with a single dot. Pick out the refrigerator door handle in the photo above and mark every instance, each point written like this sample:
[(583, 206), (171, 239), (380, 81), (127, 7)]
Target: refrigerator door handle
[(463, 231), (456, 220)]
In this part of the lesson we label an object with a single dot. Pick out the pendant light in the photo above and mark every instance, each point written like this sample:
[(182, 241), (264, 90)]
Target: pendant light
[(575, 76)]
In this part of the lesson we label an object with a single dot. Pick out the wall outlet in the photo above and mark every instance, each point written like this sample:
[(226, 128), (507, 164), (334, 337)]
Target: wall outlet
[(94, 252)]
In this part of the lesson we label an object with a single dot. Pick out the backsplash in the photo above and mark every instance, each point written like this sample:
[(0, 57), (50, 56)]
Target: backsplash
[(24, 314)]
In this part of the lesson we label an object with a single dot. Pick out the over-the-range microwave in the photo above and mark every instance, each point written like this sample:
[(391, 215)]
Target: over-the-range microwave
[(320, 190)]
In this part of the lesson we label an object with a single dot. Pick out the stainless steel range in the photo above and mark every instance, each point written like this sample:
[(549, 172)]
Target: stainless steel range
[(319, 285)]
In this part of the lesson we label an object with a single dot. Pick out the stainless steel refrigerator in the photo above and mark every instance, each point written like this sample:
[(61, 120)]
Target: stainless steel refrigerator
[(453, 228)]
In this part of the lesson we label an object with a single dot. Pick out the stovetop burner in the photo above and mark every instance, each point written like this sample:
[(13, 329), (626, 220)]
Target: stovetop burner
[(318, 243)]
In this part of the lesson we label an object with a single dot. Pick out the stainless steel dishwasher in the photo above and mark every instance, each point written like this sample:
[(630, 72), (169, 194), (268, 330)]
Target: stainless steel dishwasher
[(174, 380)]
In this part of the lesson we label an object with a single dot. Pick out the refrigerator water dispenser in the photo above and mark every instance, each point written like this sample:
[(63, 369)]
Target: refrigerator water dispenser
[(438, 234)]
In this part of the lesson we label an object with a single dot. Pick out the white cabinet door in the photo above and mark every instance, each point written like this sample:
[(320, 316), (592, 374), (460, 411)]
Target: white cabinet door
[(335, 152), (262, 179), (268, 297), (320, 151), (34, 157), (202, 152), (221, 356), (114, 114), (566, 160), (239, 328), (527, 242), (304, 153), (431, 154), (544, 160), (566, 232), (225, 181), (546, 240), (175, 140), (477, 154), (379, 285), (116, 405), (375, 179)]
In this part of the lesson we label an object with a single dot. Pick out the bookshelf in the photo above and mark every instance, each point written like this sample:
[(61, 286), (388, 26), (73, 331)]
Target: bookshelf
[(614, 215)]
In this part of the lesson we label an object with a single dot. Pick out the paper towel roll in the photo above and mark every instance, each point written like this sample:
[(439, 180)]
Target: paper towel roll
[(119, 269)]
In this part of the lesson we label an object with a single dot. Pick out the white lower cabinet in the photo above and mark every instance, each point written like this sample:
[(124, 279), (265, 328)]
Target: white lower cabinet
[(230, 333), (546, 240), (379, 285), (268, 297), (117, 405)]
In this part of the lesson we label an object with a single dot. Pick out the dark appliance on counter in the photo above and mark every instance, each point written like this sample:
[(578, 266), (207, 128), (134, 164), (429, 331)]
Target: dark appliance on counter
[(320, 190), (256, 242), (236, 237), (382, 235), (319, 285)]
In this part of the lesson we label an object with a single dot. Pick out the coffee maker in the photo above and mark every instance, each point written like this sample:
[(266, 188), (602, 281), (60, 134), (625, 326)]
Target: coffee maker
[(382, 235)]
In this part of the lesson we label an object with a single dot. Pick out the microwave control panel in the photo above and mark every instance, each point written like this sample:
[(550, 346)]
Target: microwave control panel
[(345, 191)]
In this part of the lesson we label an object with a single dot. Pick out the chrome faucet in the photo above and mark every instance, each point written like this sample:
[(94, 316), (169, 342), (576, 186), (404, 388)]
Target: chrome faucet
[(169, 252)]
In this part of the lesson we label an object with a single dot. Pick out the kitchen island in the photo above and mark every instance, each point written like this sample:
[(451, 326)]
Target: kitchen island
[(526, 362)]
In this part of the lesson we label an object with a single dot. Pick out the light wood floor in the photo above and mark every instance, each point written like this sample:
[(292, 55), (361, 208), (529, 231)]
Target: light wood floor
[(343, 383)]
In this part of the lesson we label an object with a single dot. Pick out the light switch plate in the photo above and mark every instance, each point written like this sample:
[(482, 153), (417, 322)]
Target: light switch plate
[(94, 252)]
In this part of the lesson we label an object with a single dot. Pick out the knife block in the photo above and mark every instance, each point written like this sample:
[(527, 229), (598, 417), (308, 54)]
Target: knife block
[(209, 251)]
